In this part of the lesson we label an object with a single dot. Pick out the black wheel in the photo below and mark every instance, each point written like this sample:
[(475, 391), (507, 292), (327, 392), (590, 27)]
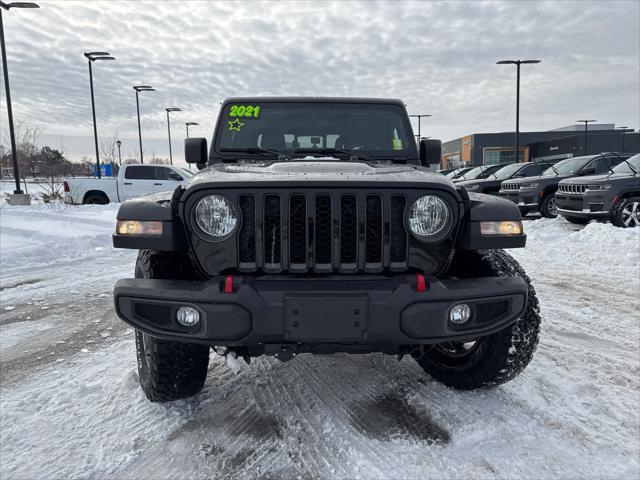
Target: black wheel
[(578, 220), (168, 370), (548, 206), (96, 199), (494, 359), (627, 213)]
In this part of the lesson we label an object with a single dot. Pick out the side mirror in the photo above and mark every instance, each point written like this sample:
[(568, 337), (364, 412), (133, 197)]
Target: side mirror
[(588, 171), (195, 151), (430, 152)]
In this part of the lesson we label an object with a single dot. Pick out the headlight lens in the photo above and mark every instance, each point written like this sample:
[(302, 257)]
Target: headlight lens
[(216, 215), (598, 187), (529, 185), (428, 216)]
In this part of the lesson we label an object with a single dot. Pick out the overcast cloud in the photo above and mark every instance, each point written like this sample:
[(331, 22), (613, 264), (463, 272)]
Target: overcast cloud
[(438, 57)]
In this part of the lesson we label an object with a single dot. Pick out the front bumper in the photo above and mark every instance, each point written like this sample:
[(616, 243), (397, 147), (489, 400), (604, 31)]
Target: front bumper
[(526, 200), (583, 206), (356, 310)]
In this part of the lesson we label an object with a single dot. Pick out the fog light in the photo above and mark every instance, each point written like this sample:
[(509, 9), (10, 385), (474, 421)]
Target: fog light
[(460, 314), (188, 316)]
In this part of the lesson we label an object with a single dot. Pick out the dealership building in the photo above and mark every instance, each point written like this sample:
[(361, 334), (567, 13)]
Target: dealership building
[(491, 148)]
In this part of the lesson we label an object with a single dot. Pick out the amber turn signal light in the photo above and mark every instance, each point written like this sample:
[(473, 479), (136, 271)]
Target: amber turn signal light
[(135, 227), (510, 227)]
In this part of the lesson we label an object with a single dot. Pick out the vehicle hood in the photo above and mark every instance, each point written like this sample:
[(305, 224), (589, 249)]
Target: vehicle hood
[(591, 179), (544, 179), (317, 171), (480, 181)]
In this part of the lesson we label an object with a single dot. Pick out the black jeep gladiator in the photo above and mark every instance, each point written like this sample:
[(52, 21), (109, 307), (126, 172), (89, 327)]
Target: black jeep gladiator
[(614, 196), (315, 226), (538, 194)]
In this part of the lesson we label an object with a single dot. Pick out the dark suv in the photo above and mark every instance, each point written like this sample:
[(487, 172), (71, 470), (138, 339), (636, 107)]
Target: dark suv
[(539, 193), (491, 184), (315, 226), (614, 196)]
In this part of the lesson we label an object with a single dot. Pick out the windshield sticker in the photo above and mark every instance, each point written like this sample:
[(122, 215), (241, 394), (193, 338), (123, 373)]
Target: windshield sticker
[(235, 125), (397, 144), (252, 111)]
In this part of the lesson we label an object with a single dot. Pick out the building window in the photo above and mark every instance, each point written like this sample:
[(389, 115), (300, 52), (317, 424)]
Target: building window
[(495, 156)]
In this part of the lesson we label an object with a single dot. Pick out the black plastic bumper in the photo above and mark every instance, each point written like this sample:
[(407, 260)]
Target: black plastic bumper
[(355, 310)]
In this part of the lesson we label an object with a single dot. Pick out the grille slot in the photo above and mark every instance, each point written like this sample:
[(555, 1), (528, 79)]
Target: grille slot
[(153, 312), (298, 229), (247, 235), (348, 230), (323, 236), (272, 233), (571, 189), (373, 239), (488, 311), (398, 232), (322, 231)]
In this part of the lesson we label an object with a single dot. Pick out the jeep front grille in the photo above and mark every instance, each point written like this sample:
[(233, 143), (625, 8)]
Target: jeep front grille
[(510, 187), (571, 189), (322, 232)]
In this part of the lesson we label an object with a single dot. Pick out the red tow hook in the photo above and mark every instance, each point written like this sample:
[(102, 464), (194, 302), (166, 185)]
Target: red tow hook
[(228, 284), (421, 283)]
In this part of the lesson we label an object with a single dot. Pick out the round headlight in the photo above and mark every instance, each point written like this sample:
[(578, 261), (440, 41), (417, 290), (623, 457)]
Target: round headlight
[(428, 216), (216, 216)]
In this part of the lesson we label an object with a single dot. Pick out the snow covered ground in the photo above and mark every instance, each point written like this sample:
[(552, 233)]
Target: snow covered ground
[(70, 405)]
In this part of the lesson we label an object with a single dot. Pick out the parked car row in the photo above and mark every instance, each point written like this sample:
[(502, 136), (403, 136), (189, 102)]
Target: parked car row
[(603, 186)]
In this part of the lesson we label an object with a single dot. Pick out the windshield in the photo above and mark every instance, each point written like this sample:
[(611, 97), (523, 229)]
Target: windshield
[(456, 172), (508, 171), (629, 166), (567, 167), (314, 128), (479, 172), (185, 172)]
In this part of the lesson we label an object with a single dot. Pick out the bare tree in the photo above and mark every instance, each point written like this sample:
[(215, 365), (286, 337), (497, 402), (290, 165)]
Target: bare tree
[(109, 149)]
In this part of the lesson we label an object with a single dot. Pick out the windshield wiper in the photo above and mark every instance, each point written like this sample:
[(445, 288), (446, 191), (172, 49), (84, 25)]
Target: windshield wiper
[(262, 151), (341, 154), (554, 169)]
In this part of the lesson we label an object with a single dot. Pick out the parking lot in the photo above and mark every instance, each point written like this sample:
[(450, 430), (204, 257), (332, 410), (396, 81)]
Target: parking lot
[(72, 406)]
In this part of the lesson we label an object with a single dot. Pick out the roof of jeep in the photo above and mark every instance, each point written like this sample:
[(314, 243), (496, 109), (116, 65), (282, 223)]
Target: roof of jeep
[(393, 101)]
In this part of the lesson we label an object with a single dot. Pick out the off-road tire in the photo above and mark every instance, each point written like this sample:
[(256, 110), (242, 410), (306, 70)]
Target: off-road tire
[(547, 205), (168, 370), (577, 220), (496, 358), (618, 215)]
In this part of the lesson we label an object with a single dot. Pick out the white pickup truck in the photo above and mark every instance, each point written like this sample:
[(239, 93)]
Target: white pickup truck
[(132, 181)]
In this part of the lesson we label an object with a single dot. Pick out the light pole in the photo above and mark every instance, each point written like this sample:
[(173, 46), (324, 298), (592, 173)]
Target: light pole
[(419, 117), (138, 89), (187, 125), (5, 70), (92, 57), (517, 63), (623, 130), (119, 143), (586, 129), (171, 109)]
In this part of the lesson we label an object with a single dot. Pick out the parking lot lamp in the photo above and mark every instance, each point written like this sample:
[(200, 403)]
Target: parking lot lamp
[(92, 57), (586, 130), (170, 109), (119, 143), (5, 70), (187, 125), (517, 63), (138, 89), (419, 117)]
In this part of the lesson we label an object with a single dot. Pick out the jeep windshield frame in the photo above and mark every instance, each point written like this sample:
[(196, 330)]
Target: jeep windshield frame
[(295, 128)]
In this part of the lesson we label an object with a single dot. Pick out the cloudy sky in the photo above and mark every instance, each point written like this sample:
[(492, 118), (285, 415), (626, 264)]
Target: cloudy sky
[(438, 57)]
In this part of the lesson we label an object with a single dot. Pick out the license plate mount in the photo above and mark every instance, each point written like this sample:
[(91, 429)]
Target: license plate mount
[(325, 319)]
